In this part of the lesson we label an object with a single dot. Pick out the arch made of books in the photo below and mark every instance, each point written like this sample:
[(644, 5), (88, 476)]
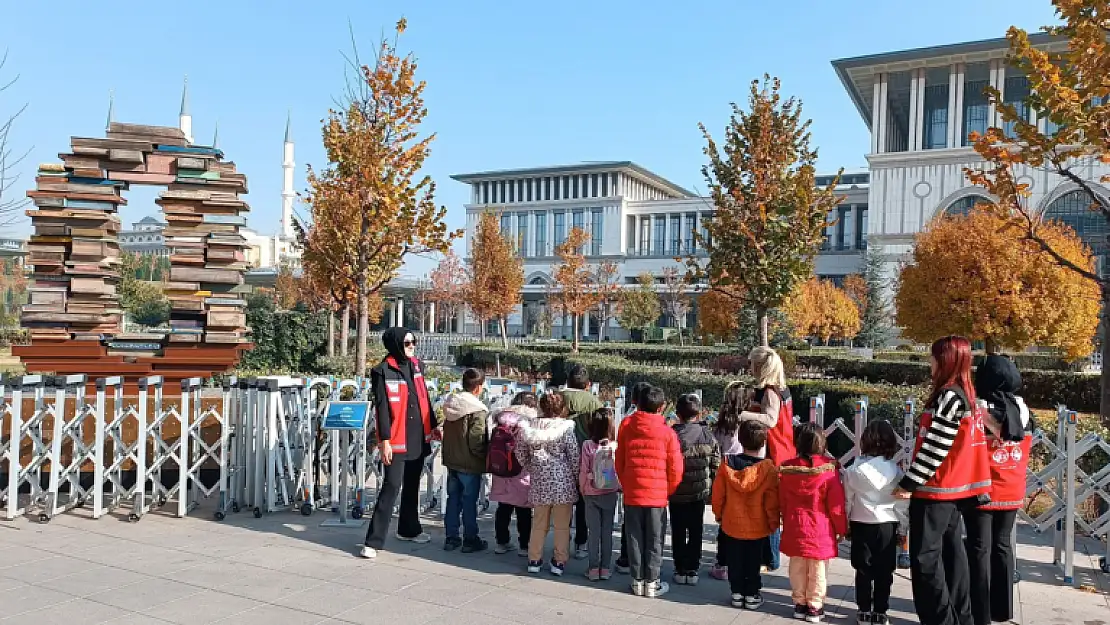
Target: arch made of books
[(74, 316)]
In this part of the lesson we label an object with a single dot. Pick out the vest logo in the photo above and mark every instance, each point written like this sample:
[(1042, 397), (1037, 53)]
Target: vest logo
[(1016, 453), (1000, 456)]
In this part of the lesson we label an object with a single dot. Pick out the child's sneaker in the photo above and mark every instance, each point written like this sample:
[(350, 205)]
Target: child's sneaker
[(522, 552), (680, 579), (534, 566), (737, 601), (638, 587), (753, 602), (605, 574), (557, 568), (622, 566), (879, 618), (691, 579), (473, 545), (593, 575), (904, 561), (864, 618), (800, 612), (581, 553), (503, 548), (815, 615), (452, 544), (719, 572), (368, 553), (656, 589)]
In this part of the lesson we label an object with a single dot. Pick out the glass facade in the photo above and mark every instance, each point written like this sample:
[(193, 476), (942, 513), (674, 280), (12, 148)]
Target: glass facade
[(676, 234), (936, 109), (976, 107), (861, 228), (660, 235), (1074, 209), (560, 228), (1014, 94), (522, 234), (597, 230), (645, 235), (963, 206), (507, 226), (541, 235), (691, 228), (898, 112), (578, 220)]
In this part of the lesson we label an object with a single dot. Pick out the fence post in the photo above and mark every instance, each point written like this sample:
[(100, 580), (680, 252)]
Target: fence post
[(1072, 418), (1058, 535), (861, 422), (817, 409)]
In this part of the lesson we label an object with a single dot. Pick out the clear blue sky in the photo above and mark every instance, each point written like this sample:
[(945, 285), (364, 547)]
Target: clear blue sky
[(536, 84)]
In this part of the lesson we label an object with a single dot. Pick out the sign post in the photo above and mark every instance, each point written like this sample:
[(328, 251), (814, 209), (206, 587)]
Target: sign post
[(345, 418)]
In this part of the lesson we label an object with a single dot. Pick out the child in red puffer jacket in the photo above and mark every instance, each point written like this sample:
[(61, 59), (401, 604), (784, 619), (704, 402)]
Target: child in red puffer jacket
[(813, 519)]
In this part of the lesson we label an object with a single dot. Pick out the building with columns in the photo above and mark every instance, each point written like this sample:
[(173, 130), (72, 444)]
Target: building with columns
[(920, 107), (635, 218)]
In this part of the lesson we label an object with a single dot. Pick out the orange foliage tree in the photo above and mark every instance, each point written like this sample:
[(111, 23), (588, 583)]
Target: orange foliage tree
[(372, 182), (574, 292), (979, 276), (856, 287), (496, 275), (607, 282), (718, 317), (448, 287), (819, 309)]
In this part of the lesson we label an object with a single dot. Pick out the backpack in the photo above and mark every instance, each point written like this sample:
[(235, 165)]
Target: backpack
[(605, 468), (500, 460)]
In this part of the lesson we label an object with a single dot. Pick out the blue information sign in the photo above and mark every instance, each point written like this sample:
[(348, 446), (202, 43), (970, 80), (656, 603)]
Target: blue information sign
[(346, 415)]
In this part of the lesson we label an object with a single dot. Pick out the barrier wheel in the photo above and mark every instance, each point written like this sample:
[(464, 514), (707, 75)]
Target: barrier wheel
[(485, 506), (80, 503), (306, 509), (258, 513), (356, 512), (219, 515), (235, 507), (44, 518), (1104, 564), (134, 518), (1017, 576)]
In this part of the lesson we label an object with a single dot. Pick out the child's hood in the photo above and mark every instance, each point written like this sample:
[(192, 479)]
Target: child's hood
[(513, 415), (458, 405), (543, 431), (808, 475), (871, 473), (746, 474)]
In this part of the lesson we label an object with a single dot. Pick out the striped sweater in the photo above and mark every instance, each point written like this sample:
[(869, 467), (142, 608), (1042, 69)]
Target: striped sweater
[(952, 408)]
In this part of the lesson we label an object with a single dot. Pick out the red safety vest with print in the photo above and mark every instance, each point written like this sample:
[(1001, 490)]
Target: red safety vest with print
[(966, 470), (397, 391), (780, 439), (1009, 461)]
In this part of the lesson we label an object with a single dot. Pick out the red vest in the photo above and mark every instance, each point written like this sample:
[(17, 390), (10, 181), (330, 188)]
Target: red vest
[(780, 439), (966, 470), (397, 391), (1009, 462)]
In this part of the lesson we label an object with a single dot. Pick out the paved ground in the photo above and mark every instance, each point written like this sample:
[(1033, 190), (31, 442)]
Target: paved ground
[(284, 569)]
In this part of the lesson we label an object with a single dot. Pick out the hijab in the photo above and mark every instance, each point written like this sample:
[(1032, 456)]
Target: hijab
[(394, 341), (997, 381)]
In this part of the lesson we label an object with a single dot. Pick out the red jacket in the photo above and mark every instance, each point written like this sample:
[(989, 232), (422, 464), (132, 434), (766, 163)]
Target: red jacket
[(649, 460), (1009, 462), (812, 502), (965, 472)]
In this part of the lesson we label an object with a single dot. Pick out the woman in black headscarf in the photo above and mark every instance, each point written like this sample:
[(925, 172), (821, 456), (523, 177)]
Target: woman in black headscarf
[(405, 422), (990, 549)]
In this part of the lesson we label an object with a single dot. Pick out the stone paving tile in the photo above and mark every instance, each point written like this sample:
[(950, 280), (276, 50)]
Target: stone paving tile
[(206, 606), (445, 591), (327, 600), (147, 594), (93, 580), (380, 577), (272, 615), (46, 569), (267, 586), (388, 610), (26, 598), (77, 612)]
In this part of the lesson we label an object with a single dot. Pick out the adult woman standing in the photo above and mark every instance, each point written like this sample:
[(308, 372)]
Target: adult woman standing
[(950, 475), (405, 422), (990, 527), (772, 406)]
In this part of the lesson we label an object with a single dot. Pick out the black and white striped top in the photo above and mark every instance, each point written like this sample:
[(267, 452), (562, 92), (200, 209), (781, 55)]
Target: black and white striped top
[(952, 408)]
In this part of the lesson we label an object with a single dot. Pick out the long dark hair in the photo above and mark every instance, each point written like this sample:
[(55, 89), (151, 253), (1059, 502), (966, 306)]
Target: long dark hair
[(953, 368), (728, 419)]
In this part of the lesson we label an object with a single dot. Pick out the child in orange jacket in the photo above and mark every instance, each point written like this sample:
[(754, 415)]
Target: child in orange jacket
[(746, 504)]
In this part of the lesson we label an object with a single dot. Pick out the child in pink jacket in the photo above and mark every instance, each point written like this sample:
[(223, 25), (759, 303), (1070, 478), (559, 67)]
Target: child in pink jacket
[(597, 481), (813, 519), (511, 493)]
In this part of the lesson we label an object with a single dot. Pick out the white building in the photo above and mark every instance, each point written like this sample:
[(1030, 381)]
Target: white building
[(920, 106), (144, 238), (635, 218)]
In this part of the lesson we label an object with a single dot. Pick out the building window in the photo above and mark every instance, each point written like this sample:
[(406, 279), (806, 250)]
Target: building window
[(485, 193), (1014, 93), (528, 186), (861, 227), (898, 112), (691, 228), (645, 235), (520, 190), (841, 222), (827, 242), (657, 245), (597, 229), (501, 192), (936, 109), (512, 190), (574, 187), (507, 226), (566, 187), (676, 234), (578, 220), (976, 106), (1074, 209), (522, 234), (594, 189), (541, 235), (547, 188), (560, 228), (604, 185), (962, 207)]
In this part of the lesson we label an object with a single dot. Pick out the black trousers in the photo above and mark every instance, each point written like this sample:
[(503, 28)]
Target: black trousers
[(581, 530), (990, 555), (623, 559), (645, 542), (940, 577), (686, 528), (402, 476), (501, 520), (874, 557), (744, 559)]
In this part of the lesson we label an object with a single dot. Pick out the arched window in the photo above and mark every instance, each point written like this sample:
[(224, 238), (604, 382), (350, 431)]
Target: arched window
[(538, 280), (962, 207), (1076, 210)]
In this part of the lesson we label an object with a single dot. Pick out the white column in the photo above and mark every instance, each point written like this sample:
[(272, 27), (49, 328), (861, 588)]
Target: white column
[(400, 312), (884, 88), (913, 142), (666, 231), (953, 103), (997, 79), (876, 116), (960, 71), (431, 317)]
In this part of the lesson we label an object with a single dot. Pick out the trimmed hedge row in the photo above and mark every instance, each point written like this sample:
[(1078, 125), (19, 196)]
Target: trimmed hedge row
[(1045, 362)]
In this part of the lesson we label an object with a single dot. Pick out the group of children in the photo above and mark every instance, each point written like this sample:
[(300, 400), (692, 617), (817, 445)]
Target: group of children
[(561, 450)]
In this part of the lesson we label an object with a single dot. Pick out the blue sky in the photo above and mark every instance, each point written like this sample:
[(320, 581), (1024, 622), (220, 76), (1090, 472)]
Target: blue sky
[(537, 84)]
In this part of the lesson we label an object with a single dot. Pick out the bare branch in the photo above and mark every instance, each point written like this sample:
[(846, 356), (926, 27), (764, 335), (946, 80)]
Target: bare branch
[(10, 208)]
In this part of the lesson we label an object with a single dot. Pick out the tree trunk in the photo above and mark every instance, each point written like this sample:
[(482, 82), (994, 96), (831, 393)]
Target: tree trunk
[(679, 325), (503, 325), (331, 333), (601, 323), (991, 346), (363, 332), (1104, 404), (574, 333), (345, 330), (761, 319)]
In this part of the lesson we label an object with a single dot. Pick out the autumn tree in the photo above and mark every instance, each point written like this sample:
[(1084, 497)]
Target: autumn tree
[(639, 306), (372, 182), (607, 282), (855, 287), (770, 215), (819, 309), (979, 276), (286, 288), (717, 316), (1070, 95), (574, 290), (496, 275), (448, 287), (675, 298)]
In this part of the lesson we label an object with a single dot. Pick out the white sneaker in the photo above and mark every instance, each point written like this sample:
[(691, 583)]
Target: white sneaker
[(638, 587), (656, 589), (737, 601), (503, 549), (680, 579), (580, 553), (368, 552), (419, 539), (692, 580), (522, 553)]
